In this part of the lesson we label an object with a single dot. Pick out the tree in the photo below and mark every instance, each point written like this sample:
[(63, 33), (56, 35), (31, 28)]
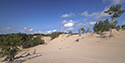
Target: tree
[(83, 30), (115, 11), (102, 26), (9, 46), (123, 26), (70, 32), (88, 30), (79, 31)]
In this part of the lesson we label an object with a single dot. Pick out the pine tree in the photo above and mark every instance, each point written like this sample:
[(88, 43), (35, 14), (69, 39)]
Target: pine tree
[(115, 11)]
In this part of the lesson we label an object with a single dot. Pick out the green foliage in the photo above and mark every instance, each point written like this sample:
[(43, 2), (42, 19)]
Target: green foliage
[(115, 11), (117, 28), (102, 26), (55, 34), (88, 30), (123, 26), (77, 40), (10, 43), (105, 25), (30, 42), (81, 29), (9, 46), (70, 32)]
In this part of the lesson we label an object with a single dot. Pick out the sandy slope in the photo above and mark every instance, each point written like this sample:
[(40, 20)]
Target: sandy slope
[(90, 49)]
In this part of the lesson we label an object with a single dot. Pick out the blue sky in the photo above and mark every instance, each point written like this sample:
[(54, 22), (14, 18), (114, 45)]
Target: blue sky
[(47, 16)]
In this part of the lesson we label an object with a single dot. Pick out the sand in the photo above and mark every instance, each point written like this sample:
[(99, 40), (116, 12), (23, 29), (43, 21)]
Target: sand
[(90, 48)]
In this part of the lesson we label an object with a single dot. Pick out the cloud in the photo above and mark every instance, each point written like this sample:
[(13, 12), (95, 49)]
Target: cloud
[(68, 24), (11, 29), (64, 21), (28, 30), (114, 1), (84, 19), (70, 21), (88, 15), (68, 15), (85, 24), (65, 29), (96, 15), (54, 31), (45, 32)]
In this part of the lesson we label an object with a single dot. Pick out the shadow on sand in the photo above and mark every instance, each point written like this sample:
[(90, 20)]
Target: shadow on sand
[(24, 59), (101, 35), (27, 56)]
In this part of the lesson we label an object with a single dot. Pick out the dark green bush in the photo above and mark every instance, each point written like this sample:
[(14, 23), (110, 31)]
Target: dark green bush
[(55, 34), (77, 40)]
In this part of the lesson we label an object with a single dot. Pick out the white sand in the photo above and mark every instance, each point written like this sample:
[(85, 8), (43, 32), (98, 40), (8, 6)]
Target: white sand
[(90, 49)]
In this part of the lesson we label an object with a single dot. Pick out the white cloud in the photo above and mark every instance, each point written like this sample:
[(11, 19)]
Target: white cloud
[(28, 30), (70, 28), (96, 15), (68, 24), (54, 31), (68, 15), (48, 32), (114, 1), (64, 21), (31, 29), (25, 28), (65, 29), (79, 25), (86, 24), (38, 32), (70, 21), (11, 29), (92, 23), (88, 15)]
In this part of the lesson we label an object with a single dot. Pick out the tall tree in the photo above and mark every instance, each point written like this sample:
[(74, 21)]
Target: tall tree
[(83, 30), (115, 11), (102, 26)]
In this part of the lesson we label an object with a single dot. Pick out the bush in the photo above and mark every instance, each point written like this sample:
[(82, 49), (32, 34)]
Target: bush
[(77, 40), (55, 34), (32, 42)]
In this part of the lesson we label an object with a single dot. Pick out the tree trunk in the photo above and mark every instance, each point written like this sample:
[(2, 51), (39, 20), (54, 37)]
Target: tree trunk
[(111, 29)]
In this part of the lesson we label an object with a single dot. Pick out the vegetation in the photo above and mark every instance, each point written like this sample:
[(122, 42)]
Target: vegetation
[(88, 30), (105, 25), (77, 40), (70, 32), (81, 29), (55, 34), (9, 46), (102, 26), (115, 11), (123, 27), (10, 43)]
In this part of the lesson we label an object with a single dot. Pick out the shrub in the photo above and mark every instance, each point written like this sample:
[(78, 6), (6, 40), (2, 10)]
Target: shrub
[(77, 40), (55, 34)]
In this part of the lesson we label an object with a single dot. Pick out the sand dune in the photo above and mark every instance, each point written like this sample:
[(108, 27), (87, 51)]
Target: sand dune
[(91, 48)]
